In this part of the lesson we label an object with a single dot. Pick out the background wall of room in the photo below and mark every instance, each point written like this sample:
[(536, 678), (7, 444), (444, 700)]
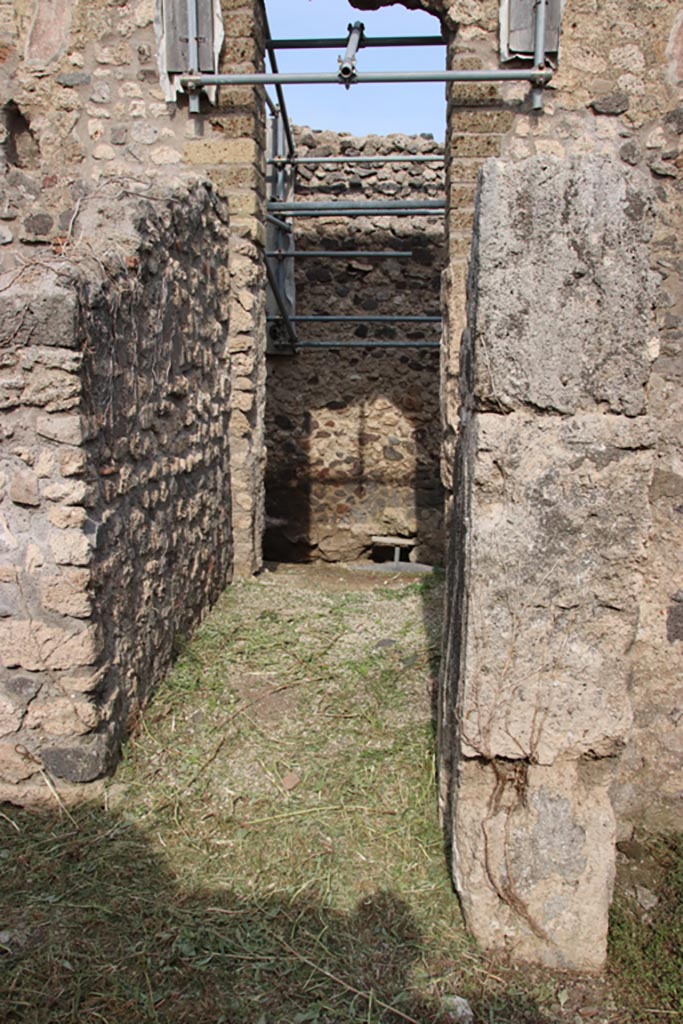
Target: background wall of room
[(354, 435)]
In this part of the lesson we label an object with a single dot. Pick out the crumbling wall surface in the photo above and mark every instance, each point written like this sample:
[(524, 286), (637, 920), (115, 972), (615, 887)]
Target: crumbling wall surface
[(355, 453), (227, 143), (556, 459), (354, 436), (114, 475)]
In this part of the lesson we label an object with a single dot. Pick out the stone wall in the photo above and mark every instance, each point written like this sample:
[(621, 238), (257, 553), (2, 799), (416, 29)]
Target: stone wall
[(84, 119), (133, 369), (354, 435), (228, 145), (83, 105), (114, 476), (617, 93), (555, 462)]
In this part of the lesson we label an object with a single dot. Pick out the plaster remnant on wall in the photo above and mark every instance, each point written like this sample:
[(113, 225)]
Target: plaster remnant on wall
[(674, 52), (533, 862), (585, 257), (49, 32)]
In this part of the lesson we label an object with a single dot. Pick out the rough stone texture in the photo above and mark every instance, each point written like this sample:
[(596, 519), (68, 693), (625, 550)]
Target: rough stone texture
[(550, 536), (116, 522), (635, 55), (561, 518), (228, 145), (355, 456), (533, 860), (550, 354), (354, 436), (86, 107), (82, 106)]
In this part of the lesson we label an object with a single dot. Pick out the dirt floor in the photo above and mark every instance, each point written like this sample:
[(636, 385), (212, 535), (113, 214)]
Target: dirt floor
[(269, 851)]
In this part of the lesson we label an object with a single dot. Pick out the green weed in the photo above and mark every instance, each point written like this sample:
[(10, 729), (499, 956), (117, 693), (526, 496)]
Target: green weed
[(269, 850), (646, 946)]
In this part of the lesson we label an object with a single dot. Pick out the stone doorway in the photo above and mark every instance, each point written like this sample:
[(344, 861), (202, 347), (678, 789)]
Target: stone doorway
[(353, 423), (353, 430)]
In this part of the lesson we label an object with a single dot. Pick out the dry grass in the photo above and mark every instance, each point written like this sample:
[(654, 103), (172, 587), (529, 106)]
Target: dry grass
[(269, 852)]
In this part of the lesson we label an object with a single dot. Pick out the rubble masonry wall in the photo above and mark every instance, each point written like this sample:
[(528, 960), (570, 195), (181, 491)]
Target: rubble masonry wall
[(132, 372), (354, 437), (115, 505), (82, 105)]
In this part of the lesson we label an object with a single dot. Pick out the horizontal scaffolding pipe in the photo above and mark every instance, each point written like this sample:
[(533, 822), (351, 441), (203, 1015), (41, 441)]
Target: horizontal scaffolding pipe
[(334, 44), (361, 205), (283, 254), (369, 344), (408, 159), (380, 211), (534, 75), (364, 319)]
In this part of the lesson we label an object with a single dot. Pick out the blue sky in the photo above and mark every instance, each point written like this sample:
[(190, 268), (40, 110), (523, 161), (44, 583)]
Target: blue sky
[(363, 109)]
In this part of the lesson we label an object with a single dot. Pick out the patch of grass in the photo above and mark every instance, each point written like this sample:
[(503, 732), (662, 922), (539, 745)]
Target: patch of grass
[(269, 851), (646, 943), (426, 586)]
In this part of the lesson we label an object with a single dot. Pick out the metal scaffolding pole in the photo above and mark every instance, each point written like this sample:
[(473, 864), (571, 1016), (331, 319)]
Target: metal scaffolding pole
[(278, 89), (335, 44), (408, 159), (370, 208), (361, 205), (369, 344), (280, 211), (283, 254), (281, 305), (193, 48), (539, 52), (534, 75), (282, 224), (347, 63), (376, 212), (364, 319)]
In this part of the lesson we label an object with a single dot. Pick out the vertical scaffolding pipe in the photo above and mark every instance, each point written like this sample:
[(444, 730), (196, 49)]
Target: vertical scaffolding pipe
[(281, 305), (193, 49), (539, 53), (280, 195), (278, 90), (280, 169)]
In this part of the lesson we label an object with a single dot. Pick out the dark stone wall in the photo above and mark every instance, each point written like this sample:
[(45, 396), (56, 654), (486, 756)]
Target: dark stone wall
[(354, 435)]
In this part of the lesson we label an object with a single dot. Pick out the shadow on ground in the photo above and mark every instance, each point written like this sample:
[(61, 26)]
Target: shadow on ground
[(94, 927)]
